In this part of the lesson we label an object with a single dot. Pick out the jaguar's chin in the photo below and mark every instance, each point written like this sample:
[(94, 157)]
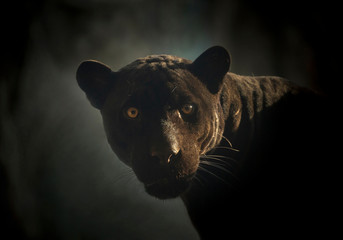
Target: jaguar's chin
[(168, 188)]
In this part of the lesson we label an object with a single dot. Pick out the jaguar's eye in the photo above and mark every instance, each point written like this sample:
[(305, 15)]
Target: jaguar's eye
[(132, 112), (187, 109)]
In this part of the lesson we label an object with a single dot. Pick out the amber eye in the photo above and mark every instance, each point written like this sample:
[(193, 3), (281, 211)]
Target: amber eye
[(187, 109), (132, 112)]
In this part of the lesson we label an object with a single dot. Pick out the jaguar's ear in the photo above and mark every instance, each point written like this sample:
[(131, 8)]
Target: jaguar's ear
[(211, 66), (95, 79)]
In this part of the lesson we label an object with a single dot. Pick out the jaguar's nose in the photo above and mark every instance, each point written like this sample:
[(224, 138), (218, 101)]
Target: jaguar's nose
[(166, 157)]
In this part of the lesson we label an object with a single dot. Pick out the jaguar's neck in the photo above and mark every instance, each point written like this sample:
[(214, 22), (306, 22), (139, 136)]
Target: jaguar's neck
[(244, 100)]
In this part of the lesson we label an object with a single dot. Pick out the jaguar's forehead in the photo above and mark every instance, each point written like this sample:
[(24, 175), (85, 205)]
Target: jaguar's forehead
[(157, 63), (154, 75), (154, 69)]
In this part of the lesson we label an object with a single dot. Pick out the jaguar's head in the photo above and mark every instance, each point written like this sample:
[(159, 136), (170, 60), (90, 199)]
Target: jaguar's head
[(160, 114)]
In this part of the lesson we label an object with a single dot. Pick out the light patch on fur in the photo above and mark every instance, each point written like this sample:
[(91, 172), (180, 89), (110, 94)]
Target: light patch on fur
[(237, 112), (171, 132), (215, 134), (216, 124), (179, 115)]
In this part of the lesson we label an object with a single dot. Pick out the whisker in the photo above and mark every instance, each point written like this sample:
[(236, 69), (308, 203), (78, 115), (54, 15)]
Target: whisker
[(217, 166), (229, 148), (174, 89), (219, 157), (227, 140), (197, 178), (126, 176), (209, 172), (219, 162)]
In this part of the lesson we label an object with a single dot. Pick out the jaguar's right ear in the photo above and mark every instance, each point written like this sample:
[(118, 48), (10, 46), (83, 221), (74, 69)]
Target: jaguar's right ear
[(211, 67), (95, 79)]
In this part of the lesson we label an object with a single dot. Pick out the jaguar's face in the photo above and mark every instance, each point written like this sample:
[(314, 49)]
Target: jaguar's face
[(159, 118), (160, 127)]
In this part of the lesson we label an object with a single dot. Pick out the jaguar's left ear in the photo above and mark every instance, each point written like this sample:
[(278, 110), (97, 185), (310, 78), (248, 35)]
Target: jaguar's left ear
[(211, 66), (95, 79)]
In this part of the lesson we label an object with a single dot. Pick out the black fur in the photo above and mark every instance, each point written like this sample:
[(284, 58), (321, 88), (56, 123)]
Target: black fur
[(252, 158)]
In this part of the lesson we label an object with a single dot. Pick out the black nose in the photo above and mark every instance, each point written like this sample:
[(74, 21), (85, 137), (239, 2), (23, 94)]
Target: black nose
[(175, 157), (165, 157)]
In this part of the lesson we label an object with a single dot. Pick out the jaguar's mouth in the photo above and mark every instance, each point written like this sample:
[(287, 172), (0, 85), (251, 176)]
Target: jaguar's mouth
[(168, 188)]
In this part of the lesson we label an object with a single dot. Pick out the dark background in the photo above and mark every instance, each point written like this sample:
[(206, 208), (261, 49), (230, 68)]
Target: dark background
[(59, 178)]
